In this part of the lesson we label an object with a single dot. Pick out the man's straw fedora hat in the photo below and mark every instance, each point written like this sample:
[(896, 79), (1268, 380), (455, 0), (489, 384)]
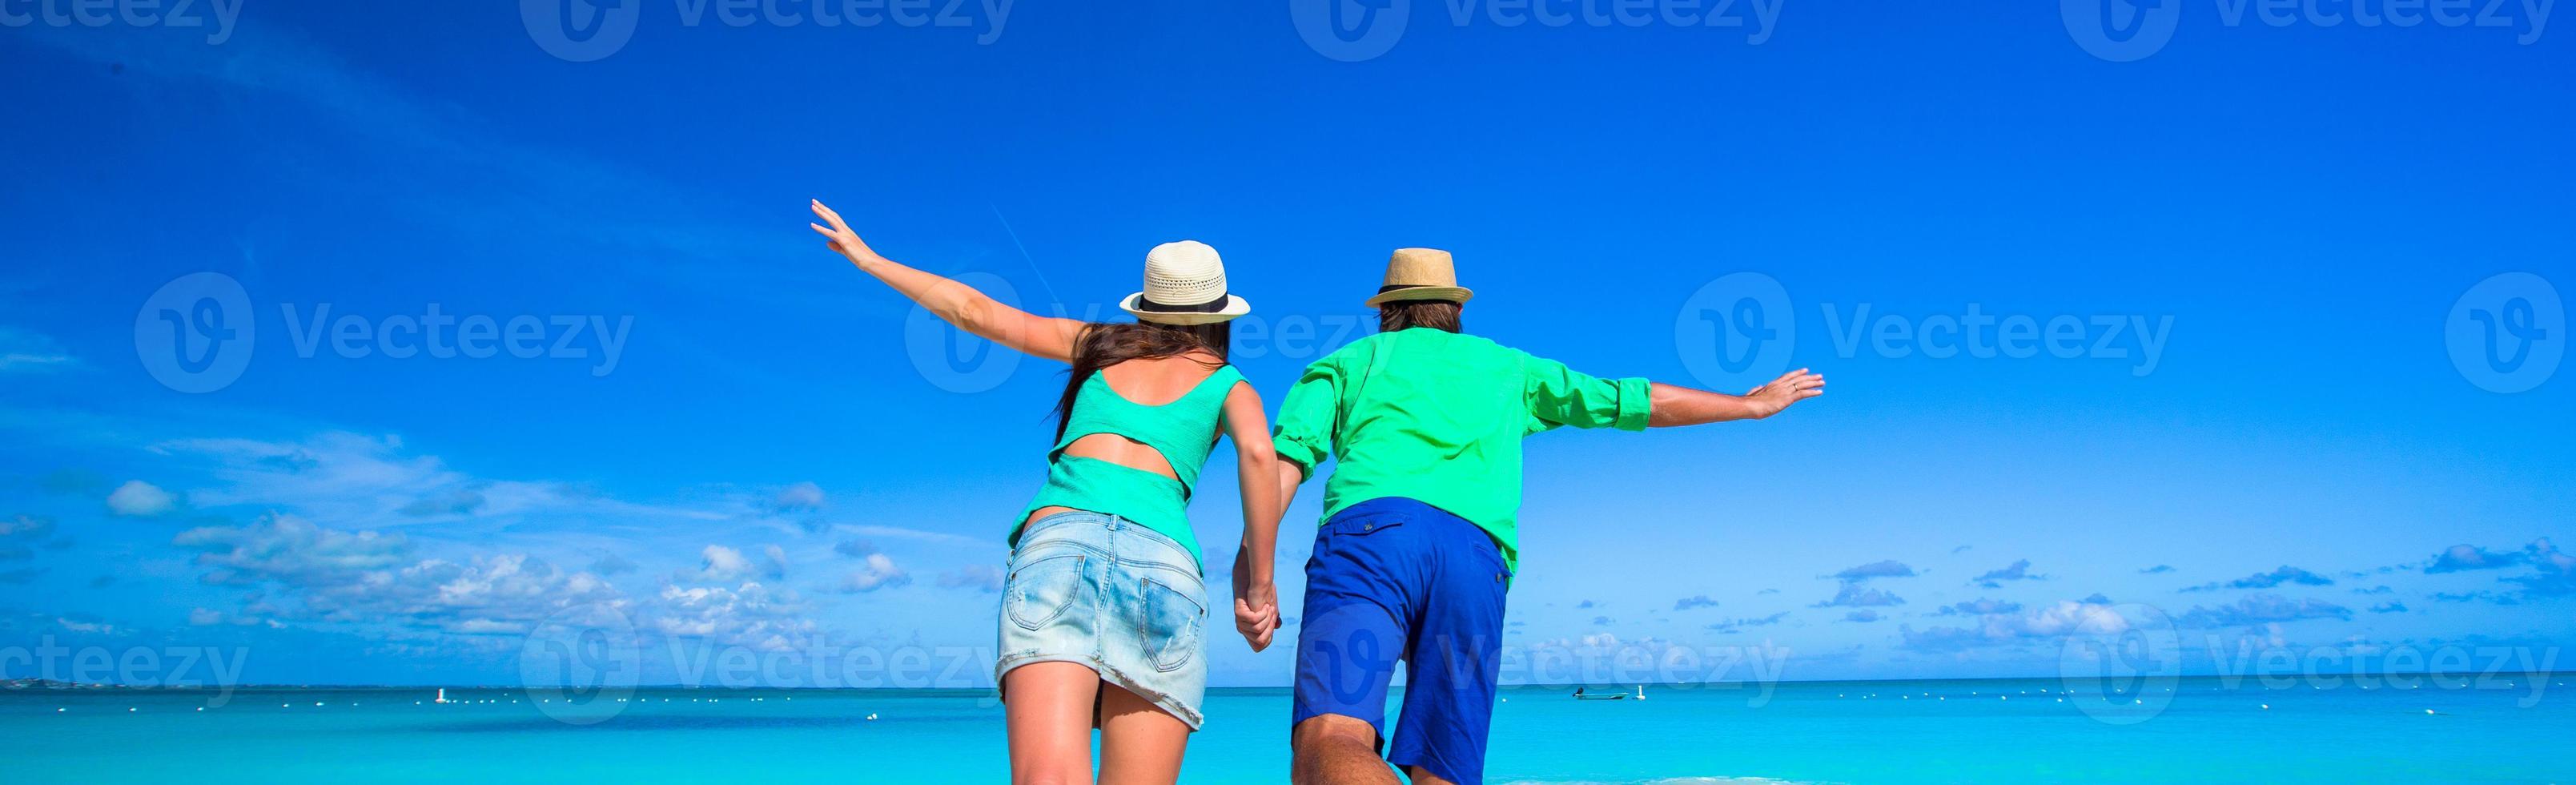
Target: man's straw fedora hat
[(1420, 274)]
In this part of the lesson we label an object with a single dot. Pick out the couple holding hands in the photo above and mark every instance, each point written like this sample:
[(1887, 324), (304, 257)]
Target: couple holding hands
[(1103, 609)]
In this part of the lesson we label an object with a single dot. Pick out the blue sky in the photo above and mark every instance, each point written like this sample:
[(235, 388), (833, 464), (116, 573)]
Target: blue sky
[(724, 434)]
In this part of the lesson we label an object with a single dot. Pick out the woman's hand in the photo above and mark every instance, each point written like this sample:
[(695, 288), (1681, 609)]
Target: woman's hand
[(1256, 606), (842, 240)]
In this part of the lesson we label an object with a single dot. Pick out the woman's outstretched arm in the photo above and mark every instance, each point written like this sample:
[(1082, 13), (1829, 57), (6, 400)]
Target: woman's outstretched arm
[(955, 302), (1256, 598)]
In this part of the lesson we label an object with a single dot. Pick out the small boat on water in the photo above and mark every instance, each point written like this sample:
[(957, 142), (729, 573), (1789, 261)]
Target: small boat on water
[(1580, 695)]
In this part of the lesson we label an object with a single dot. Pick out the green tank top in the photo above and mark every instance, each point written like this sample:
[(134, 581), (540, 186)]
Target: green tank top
[(1184, 431)]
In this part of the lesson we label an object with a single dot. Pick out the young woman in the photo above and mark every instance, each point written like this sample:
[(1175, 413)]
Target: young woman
[(1102, 612)]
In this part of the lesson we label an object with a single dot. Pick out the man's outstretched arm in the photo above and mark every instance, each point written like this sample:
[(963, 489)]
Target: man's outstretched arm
[(1674, 406)]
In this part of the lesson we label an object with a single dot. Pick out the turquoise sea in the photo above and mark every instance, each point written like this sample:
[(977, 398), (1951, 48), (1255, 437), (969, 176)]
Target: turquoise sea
[(2507, 728)]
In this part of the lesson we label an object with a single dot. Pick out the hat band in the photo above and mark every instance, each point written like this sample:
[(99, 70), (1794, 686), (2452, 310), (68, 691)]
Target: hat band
[(1211, 306), (1394, 286)]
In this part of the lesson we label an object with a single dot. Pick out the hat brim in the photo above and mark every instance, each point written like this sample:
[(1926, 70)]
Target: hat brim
[(1454, 294), (1234, 306)]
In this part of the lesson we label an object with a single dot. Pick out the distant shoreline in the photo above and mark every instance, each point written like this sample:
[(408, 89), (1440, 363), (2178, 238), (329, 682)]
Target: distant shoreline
[(52, 685)]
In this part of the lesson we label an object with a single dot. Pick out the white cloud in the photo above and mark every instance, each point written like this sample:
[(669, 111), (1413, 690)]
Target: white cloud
[(801, 497), (981, 577), (204, 617), (329, 575), (879, 572), (86, 626), (372, 481), (22, 351), (725, 565), (139, 499), (2067, 617), (748, 615)]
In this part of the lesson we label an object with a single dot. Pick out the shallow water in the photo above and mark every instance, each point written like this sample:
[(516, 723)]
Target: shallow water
[(2513, 729)]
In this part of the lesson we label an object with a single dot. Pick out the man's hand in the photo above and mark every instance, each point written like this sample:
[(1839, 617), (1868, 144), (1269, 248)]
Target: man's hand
[(1791, 387), (1256, 605)]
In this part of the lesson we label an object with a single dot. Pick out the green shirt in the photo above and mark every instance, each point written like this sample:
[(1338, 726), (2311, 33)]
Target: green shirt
[(1438, 417)]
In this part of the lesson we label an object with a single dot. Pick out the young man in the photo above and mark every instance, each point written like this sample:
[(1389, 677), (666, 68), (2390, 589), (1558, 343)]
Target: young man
[(1419, 542)]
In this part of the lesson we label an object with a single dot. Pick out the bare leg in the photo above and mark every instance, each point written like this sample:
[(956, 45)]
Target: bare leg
[(1422, 776), (1140, 744), (1048, 706), (1337, 750)]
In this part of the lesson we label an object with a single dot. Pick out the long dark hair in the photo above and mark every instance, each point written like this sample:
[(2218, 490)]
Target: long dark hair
[(1103, 344)]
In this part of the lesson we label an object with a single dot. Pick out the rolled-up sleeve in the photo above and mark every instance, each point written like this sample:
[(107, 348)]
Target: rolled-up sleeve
[(1304, 433), (1562, 396)]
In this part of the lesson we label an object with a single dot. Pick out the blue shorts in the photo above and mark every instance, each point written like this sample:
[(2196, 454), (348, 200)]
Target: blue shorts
[(1395, 579)]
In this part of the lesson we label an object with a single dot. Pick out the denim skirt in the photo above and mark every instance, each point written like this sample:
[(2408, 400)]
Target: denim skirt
[(1110, 594)]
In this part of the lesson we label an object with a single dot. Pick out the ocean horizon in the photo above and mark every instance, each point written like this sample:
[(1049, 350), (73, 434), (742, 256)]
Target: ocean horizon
[(2465, 728)]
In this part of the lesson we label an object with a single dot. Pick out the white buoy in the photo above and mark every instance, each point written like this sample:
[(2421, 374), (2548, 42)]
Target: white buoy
[(59, 711), (129, 709), (2428, 711), (2267, 707), (872, 717)]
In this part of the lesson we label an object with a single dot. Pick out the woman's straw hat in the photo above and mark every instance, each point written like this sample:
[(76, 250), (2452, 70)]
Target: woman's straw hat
[(1184, 284), (1420, 274)]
